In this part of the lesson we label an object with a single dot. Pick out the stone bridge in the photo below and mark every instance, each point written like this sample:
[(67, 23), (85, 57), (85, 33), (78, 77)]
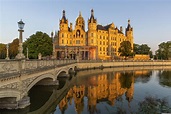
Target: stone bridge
[(18, 77)]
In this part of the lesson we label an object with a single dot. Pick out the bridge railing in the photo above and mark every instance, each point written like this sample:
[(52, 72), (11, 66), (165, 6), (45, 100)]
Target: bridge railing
[(16, 67)]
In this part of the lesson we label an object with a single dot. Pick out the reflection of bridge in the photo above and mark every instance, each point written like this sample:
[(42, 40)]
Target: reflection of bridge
[(55, 98), (18, 77)]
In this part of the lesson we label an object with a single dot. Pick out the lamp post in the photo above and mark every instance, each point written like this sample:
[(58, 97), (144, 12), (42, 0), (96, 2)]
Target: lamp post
[(20, 54), (7, 55)]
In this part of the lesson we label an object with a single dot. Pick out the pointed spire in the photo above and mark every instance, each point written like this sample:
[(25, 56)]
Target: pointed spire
[(92, 12), (80, 14), (129, 21), (129, 26), (63, 17), (63, 13)]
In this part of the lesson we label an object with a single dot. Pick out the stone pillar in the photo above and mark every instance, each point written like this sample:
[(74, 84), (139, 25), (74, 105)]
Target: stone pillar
[(39, 56), (20, 55)]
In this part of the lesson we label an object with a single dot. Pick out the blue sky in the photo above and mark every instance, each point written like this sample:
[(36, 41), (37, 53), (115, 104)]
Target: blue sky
[(151, 19)]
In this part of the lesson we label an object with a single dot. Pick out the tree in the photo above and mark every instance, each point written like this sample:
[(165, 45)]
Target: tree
[(141, 49), (125, 49), (13, 48), (164, 51), (38, 43), (2, 51)]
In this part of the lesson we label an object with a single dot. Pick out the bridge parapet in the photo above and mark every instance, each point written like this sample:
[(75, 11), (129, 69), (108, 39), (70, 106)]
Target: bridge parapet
[(15, 67)]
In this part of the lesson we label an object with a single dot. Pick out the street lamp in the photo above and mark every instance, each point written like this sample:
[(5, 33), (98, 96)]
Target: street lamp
[(20, 54), (7, 56)]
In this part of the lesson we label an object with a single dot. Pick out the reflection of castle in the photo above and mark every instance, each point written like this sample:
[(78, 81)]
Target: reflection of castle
[(101, 88)]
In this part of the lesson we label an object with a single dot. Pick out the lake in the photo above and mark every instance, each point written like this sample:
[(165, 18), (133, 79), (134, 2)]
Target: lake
[(105, 92)]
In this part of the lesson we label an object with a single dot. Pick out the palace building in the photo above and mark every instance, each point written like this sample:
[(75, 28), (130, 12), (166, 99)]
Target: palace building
[(98, 42)]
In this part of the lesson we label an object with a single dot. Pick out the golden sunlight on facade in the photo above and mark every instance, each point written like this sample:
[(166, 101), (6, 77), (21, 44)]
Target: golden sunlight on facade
[(98, 42)]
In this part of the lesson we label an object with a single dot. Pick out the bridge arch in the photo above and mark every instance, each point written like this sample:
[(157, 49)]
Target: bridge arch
[(39, 78), (62, 73)]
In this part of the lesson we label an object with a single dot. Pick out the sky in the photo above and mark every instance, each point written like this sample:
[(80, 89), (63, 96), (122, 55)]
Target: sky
[(150, 19)]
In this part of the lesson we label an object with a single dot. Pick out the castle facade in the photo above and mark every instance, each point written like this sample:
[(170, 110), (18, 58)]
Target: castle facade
[(98, 42)]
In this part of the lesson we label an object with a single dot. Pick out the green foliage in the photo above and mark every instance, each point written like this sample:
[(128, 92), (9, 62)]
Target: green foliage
[(125, 49), (152, 105), (164, 51), (2, 51), (38, 43), (142, 49)]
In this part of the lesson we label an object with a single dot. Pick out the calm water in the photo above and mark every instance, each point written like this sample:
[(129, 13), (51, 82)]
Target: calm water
[(102, 92)]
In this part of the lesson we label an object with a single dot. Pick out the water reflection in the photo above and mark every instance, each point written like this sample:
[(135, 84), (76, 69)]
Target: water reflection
[(165, 78), (104, 87), (99, 92)]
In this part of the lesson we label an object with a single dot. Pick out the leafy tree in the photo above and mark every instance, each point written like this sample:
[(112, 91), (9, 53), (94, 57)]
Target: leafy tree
[(125, 49), (38, 43), (13, 48), (164, 51), (2, 51), (142, 49)]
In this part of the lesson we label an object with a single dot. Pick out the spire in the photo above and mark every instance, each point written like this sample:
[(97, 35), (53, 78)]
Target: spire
[(128, 21), (129, 26), (63, 13), (80, 14), (92, 14), (63, 17)]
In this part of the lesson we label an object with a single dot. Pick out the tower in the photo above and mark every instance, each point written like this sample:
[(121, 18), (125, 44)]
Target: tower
[(63, 30), (129, 33), (92, 30)]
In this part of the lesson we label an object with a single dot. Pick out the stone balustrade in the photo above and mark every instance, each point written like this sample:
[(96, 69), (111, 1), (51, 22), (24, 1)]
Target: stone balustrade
[(16, 67)]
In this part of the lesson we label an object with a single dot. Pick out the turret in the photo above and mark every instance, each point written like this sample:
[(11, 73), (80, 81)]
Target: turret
[(129, 29), (63, 22), (92, 29), (92, 22), (129, 33)]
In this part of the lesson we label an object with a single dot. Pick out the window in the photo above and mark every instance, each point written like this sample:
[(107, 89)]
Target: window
[(70, 41), (77, 41), (62, 41), (62, 35), (100, 48), (91, 34), (91, 40), (103, 48)]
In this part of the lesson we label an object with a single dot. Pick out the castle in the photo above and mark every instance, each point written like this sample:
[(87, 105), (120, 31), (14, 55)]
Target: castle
[(98, 42)]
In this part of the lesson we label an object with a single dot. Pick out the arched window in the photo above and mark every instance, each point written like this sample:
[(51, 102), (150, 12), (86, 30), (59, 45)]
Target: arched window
[(78, 33)]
